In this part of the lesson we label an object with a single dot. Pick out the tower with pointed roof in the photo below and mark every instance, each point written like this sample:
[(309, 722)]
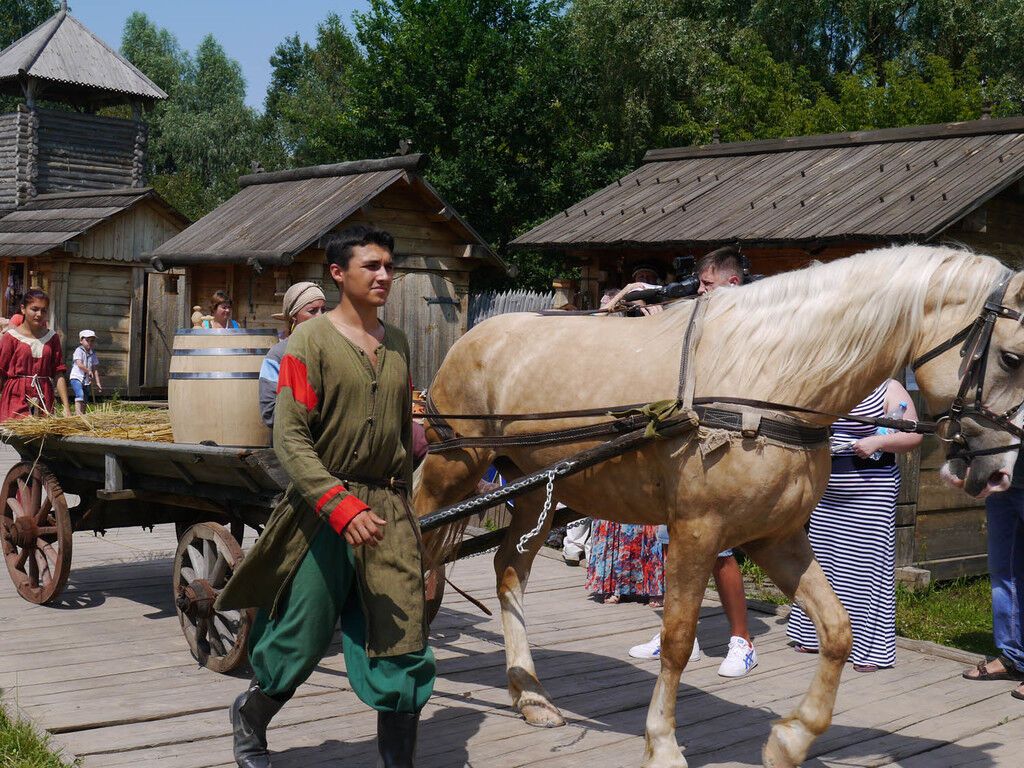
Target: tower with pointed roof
[(45, 150), (75, 212)]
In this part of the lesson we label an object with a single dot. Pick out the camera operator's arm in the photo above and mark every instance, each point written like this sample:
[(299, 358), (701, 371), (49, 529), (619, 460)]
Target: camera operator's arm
[(617, 299)]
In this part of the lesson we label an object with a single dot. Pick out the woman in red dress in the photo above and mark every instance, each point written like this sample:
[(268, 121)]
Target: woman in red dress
[(31, 363)]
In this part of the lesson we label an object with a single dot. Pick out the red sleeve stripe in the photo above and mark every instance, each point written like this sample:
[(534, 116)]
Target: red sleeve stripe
[(330, 494), (342, 514), (294, 375)]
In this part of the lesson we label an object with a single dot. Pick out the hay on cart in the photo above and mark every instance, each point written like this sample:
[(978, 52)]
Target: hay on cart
[(113, 421)]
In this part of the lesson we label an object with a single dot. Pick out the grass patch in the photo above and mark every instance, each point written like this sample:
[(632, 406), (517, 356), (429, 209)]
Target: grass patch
[(758, 586), (955, 613), (22, 747)]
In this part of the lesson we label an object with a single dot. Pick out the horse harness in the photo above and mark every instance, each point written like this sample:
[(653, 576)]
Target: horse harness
[(634, 425), (977, 339), (749, 418)]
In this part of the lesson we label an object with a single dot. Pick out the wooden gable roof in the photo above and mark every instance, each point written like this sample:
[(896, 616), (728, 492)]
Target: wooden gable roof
[(277, 215), (69, 58), (47, 222), (894, 184)]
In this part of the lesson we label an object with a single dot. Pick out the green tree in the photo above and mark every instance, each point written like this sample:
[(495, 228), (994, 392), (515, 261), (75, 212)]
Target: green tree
[(204, 136), (19, 17), (311, 96)]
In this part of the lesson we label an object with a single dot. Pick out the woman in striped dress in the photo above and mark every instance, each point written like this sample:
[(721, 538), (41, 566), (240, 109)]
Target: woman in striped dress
[(853, 530)]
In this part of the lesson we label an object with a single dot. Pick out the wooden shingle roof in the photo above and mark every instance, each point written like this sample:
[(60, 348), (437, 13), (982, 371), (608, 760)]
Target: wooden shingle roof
[(894, 184), (279, 214), (73, 62), (47, 222)]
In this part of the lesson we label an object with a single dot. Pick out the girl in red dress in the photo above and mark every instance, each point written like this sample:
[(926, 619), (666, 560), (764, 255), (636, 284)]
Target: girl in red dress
[(31, 363)]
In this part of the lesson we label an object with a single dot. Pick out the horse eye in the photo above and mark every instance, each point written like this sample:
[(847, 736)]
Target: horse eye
[(1009, 361)]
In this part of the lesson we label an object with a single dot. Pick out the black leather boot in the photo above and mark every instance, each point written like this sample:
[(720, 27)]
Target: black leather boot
[(250, 715), (396, 738)]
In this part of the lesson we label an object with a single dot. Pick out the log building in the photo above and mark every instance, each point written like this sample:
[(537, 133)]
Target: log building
[(272, 234), (789, 201), (75, 214)]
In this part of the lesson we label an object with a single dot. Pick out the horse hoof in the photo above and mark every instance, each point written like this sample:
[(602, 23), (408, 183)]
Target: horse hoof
[(666, 761), (775, 755), (542, 715)]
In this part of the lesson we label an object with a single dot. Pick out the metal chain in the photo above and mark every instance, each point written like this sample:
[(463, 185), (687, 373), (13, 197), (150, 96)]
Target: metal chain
[(524, 540)]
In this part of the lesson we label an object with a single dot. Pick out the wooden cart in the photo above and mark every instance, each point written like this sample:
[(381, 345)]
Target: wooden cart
[(210, 493)]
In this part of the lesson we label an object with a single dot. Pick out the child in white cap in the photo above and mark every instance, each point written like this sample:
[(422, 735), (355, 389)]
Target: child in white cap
[(85, 370)]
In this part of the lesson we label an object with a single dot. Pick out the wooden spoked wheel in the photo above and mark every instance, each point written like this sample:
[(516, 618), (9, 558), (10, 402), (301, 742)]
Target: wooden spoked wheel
[(36, 532), (433, 592), (206, 557)]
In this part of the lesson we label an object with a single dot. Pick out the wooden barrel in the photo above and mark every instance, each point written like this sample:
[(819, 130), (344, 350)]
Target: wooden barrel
[(213, 391)]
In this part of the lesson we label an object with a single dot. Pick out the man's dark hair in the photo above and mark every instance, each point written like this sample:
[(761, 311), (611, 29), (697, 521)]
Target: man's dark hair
[(725, 258), (339, 249)]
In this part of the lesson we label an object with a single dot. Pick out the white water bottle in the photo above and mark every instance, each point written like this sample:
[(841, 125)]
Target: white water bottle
[(897, 413)]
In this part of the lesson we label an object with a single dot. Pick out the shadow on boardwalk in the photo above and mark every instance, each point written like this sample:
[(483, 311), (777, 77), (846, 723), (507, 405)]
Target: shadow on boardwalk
[(109, 671)]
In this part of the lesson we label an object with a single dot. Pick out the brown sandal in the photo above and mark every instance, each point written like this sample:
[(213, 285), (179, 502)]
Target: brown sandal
[(801, 649), (981, 671)]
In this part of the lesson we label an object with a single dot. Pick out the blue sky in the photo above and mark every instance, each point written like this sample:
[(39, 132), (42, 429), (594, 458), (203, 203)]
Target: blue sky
[(249, 31)]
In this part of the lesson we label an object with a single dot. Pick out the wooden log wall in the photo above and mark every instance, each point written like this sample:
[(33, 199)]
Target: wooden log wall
[(12, 164), (80, 151)]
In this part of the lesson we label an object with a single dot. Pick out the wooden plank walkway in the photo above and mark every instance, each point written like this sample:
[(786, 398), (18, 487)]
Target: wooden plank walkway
[(107, 671)]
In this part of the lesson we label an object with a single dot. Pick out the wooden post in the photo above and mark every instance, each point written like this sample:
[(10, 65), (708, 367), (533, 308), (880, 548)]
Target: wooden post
[(58, 290), (137, 332)]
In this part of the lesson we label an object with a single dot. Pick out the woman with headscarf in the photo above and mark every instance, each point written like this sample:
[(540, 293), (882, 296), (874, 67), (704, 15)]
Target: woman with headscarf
[(302, 302)]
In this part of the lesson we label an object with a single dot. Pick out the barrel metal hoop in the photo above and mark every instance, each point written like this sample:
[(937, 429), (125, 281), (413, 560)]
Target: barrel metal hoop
[(215, 375), (226, 332), (214, 351)]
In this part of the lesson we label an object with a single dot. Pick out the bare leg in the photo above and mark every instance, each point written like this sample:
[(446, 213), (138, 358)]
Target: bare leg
[(790, 563), (729, 582), (686, 575), (513, 571)]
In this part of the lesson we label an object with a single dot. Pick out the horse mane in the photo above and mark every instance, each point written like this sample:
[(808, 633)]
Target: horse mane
[(782, 328)]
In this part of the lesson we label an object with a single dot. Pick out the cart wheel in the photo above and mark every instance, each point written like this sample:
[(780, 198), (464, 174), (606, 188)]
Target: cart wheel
[(433, 589), (36, 535), (206, 557)]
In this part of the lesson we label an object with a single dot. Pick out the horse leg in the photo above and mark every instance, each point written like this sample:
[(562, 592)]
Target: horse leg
[(512, 571), (790, 563), (445, 479), (686, 577)]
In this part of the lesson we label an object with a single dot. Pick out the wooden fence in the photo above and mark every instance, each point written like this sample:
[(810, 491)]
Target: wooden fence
[(491, 303)]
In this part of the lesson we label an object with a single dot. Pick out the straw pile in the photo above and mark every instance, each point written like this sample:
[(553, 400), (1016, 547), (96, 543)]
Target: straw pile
[(110, 420)]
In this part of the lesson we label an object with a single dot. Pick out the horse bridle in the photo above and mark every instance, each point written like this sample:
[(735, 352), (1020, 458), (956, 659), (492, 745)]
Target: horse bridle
[(976, 338)]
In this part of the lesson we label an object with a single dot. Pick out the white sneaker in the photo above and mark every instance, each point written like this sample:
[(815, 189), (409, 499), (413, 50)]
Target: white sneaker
[(740, 660), (652, 649)]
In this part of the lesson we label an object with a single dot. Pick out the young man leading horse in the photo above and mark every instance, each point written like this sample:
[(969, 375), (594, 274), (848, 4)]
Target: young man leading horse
[(342, 544), (821, 338)]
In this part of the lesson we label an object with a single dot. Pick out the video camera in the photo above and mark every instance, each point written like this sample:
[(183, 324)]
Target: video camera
[(686, 284)]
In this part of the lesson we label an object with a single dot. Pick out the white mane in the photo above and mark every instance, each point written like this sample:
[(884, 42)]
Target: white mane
[(789, 321)]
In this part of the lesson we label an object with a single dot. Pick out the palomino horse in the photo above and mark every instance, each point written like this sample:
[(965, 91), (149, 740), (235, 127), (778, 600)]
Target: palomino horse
[(823, 338)]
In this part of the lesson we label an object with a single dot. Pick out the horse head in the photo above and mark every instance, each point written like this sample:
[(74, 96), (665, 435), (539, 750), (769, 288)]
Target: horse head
[(978, 393)]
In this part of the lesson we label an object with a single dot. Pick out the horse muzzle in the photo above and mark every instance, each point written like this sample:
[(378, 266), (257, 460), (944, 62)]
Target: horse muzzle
[(982, 477)]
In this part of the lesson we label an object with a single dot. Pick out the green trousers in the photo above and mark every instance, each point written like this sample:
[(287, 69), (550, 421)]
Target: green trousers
[(285, 650)]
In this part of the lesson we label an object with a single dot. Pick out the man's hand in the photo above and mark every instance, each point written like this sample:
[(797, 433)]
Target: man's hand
[(364, 528)]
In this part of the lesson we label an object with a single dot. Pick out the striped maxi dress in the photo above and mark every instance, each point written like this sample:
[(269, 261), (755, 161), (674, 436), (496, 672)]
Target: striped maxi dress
[(853, 534)]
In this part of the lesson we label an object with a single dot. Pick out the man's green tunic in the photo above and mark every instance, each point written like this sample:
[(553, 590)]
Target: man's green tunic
[(337, 414)]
